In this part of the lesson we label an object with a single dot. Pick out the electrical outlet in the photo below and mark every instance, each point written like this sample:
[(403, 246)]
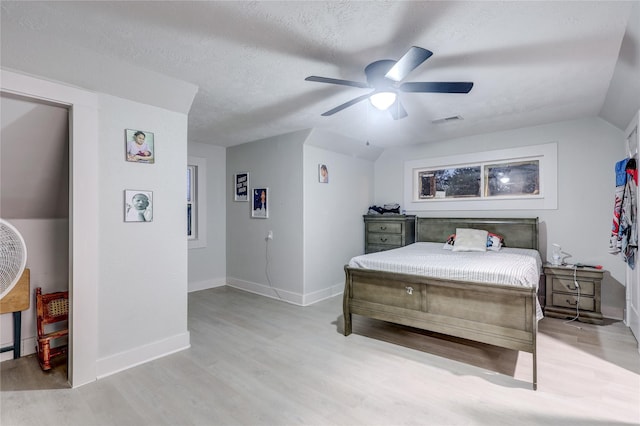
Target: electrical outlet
[(270, 235)]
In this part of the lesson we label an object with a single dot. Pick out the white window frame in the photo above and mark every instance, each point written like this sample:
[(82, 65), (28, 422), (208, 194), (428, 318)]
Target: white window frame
[(547, 154), (198, 239)]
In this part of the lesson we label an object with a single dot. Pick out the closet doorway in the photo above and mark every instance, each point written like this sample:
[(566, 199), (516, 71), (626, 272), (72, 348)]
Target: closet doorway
[(34, 197)]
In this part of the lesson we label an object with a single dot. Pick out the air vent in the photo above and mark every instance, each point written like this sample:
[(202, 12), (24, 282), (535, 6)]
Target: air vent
[(447, 119)]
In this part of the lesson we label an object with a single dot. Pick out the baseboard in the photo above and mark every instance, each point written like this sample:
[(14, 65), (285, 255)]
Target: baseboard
[(612, 313), (203, 285), (141, 354), (265, 290), (286, 296), (27, 347), (320, 295)]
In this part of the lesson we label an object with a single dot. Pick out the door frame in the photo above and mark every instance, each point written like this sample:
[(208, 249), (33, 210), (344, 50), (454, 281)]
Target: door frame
[(83, 214)]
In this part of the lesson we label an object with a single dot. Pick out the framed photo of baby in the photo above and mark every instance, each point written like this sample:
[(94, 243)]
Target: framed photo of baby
[(138, 205), (139, 146)]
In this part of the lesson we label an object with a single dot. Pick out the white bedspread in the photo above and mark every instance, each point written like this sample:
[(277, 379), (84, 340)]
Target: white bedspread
[(508, 266)]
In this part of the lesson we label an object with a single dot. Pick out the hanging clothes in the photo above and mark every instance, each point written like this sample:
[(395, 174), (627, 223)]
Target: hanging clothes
[(624, 235)]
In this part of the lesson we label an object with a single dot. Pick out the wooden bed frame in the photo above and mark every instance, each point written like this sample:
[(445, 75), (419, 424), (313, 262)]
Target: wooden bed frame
[(499, 315)]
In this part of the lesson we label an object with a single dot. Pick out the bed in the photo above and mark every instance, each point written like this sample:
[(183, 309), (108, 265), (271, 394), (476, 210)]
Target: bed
[(504, 315)]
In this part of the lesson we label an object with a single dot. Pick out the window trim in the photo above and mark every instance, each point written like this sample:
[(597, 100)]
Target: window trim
[(547, 154), (199, 240)]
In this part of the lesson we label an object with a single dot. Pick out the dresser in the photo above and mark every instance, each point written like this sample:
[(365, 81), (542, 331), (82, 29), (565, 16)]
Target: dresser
[(384, 232), (563, 296)]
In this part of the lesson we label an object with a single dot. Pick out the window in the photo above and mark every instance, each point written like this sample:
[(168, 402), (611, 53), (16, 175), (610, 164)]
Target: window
[(196, 202), (449, 183), (512, 178), (523, 178), (192, 215)]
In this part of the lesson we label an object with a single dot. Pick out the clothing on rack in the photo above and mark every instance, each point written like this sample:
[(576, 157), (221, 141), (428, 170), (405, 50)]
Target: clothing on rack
[(624, 235)]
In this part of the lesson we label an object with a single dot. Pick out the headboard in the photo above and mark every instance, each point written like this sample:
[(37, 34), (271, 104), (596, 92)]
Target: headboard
[(517, 232)]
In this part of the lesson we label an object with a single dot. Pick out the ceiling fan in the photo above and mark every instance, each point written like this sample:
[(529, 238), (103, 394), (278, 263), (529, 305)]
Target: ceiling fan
[(384, 78)]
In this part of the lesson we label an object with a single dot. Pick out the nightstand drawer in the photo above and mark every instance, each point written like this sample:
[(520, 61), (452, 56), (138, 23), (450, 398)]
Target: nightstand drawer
[(570, 301), (385, 227), (567, 285), (384, 239), (562, 293)]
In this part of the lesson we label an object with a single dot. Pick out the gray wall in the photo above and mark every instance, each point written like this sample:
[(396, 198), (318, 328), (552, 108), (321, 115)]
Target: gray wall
[(275, 163), (316, 227), (208, 265), (587, 152), (333, 225)]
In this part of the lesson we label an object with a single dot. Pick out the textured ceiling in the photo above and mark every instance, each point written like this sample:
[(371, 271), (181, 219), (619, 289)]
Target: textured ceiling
[(531, 62)]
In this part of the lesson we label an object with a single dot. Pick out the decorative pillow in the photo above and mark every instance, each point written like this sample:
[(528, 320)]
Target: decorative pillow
[(470, 240), (448, 245), (494, 242)]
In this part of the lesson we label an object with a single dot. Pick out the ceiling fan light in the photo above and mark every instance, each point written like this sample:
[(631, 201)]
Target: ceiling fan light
[(382, 100)]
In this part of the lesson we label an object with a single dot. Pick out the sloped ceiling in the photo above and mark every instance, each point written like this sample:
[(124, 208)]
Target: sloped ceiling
[(34, 159), (531, 62)]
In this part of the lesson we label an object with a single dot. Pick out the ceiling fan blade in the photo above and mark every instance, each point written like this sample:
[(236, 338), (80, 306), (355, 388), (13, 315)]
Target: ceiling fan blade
[(346, 105), (337, 81), (397, 111), (437, 87), (410, 61)]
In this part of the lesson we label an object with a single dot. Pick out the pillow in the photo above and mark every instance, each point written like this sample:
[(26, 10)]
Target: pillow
[(470, 240), (494, 242), (448, 245)]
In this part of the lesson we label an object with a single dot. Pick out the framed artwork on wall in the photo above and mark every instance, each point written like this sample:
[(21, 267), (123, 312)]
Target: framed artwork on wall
[(138, 205), (139, 146), (241, 186), (260, 203), (323, 173)]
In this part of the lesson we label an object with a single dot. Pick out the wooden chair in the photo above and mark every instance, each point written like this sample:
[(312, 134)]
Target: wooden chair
[(52, 314)]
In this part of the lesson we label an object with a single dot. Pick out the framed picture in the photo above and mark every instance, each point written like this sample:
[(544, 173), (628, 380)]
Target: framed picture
[(323, 173), (139, 146), (260, 203), (241, 186), (138, 206)]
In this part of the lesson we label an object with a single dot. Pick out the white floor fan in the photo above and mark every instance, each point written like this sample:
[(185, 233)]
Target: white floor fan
[(14, 280)]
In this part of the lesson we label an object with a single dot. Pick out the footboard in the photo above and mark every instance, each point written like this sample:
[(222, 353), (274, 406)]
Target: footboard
[(503, 316)]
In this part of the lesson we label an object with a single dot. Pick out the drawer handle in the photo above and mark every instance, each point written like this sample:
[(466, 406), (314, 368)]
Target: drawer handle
[(409, 290), (572, 302), (383, 239), (383, 228), (572, 288)]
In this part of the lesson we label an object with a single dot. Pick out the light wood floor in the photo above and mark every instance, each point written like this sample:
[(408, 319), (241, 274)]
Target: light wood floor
[(257, 361)]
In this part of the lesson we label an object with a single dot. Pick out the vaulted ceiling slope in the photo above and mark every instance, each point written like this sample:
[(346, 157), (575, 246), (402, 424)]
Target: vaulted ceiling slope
[(531, 62)]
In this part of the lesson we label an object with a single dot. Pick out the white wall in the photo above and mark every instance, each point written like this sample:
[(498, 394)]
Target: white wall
[(587, 152), (333, 224), (142, 294), (128, 281), (47, 242), (83, 226), (208, 265), (37, 132), (275, 163)]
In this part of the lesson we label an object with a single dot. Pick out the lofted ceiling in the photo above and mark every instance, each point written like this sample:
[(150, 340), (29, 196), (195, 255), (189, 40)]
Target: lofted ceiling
[(531, 62)]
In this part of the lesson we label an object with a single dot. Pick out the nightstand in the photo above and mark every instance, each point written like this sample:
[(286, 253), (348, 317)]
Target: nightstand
[(386, 232), (563, 296)]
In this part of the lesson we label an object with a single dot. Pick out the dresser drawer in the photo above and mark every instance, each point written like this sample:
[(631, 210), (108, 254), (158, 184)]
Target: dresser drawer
[(388, 232), (570, 301), (567, 285), (375, 249), (385, 227), (384, 239)]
